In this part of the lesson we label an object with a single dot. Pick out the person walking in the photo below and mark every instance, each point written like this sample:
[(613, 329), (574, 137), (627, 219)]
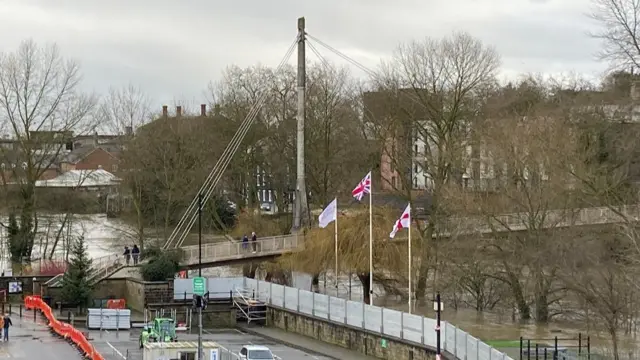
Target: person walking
[(245, 242), (5, 326), (135, 252), (254, 240), (127, 254)]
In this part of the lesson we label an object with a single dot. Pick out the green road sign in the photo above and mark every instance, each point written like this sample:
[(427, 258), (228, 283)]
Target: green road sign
[(199, 285), (383, 342)]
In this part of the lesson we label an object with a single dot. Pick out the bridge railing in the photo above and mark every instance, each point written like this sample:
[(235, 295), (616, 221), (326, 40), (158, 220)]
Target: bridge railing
[(237, 250), (389, 323)]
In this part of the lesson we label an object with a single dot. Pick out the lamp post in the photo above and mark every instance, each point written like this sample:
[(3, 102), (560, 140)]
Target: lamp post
[(437, 306)]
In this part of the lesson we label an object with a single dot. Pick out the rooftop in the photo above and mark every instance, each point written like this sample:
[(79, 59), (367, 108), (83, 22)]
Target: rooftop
[(81, 178)]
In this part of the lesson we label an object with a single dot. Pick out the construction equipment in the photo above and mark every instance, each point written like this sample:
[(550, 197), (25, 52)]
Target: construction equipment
[(159, 330)]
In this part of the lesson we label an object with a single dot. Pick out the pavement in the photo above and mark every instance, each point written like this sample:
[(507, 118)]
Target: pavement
[(29, 340), (122, 345), (32, 340)]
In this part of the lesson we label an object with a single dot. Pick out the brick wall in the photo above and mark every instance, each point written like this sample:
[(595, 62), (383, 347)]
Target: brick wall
[(365, 342), (96, 159)]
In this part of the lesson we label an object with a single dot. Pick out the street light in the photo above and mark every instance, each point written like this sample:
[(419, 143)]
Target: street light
[(438, 307)]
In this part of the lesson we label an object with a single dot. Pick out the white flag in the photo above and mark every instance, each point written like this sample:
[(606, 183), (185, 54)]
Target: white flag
[(329, 214)]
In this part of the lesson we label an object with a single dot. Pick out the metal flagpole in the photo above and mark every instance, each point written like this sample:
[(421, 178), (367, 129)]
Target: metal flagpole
[(410, 291), (371, 241), (336, 244)]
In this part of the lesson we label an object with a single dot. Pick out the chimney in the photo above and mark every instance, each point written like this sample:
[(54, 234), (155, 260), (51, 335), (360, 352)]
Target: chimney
[(128, 130), (216, 110), (165, 111), (95, 139), (178, 111), (203, 110)]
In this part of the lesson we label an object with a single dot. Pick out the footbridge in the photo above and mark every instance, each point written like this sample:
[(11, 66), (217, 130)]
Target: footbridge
[(268, 248)]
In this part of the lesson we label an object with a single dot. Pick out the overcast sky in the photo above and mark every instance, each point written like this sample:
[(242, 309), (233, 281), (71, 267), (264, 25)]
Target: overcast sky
[(173, 48)]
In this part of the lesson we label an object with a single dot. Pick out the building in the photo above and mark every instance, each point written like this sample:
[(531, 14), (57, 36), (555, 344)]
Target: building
[(92, 157), (403, 157)]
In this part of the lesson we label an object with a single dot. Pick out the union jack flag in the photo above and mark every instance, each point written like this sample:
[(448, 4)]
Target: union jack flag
[(363, 188)]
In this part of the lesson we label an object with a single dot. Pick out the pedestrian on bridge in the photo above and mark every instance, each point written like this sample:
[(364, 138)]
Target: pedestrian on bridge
[(245, 242), (254, 241), (135, 253), (127, 255)]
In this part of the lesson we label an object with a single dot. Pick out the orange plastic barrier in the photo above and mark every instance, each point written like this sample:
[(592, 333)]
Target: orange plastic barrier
[(116, 304), (64, 330)]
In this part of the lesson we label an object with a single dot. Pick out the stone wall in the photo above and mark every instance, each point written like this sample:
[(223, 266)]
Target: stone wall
[(365, 342)]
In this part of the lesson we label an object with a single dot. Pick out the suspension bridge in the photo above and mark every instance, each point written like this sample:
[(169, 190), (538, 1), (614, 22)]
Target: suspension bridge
[(266, 248)]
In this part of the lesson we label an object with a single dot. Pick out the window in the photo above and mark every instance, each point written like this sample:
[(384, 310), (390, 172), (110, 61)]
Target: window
[(191, 355), (393, 181), (415, 182), (260, 354), (114, 167)]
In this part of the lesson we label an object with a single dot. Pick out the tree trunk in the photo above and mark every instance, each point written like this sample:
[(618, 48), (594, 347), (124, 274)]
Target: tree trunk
[(518, 296), (614, 342), (364, 279), (315, 283), (423, 269)]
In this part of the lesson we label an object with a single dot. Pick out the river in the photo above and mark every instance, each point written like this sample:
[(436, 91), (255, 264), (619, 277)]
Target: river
[(102, 236)]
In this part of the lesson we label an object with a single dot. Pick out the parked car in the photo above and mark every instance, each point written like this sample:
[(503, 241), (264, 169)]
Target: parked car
[(256, 352), (265, 206)]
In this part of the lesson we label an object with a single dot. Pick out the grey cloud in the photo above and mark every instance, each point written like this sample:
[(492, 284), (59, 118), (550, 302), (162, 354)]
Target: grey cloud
[(175, 47)]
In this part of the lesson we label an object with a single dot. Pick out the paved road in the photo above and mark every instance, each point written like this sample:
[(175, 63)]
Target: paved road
[(34, 341), (124, 344)]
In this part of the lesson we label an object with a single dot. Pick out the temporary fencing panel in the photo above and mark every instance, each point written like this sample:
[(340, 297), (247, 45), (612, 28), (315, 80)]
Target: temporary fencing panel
[(109, 319)]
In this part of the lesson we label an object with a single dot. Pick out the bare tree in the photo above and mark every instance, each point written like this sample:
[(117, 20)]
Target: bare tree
[(236, 94), (337, 151), (620, 20), (41, 107), (597, 269), (124, 109), (432, 91)]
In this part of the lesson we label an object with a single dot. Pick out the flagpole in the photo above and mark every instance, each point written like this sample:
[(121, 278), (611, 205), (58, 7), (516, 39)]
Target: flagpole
[(371, 242), (336, 245), (410, 291)]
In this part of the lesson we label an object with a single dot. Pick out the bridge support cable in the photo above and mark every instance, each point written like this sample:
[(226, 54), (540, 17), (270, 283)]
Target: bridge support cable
[(341, 55), (374, 76), (185, 224), (251, 117)]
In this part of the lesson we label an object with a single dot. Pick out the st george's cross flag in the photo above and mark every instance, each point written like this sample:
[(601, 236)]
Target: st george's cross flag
[(363, 188), (402, 223)]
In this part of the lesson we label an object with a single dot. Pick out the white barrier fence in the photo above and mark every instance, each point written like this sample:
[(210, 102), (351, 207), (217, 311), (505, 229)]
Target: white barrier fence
[(391, 323)]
